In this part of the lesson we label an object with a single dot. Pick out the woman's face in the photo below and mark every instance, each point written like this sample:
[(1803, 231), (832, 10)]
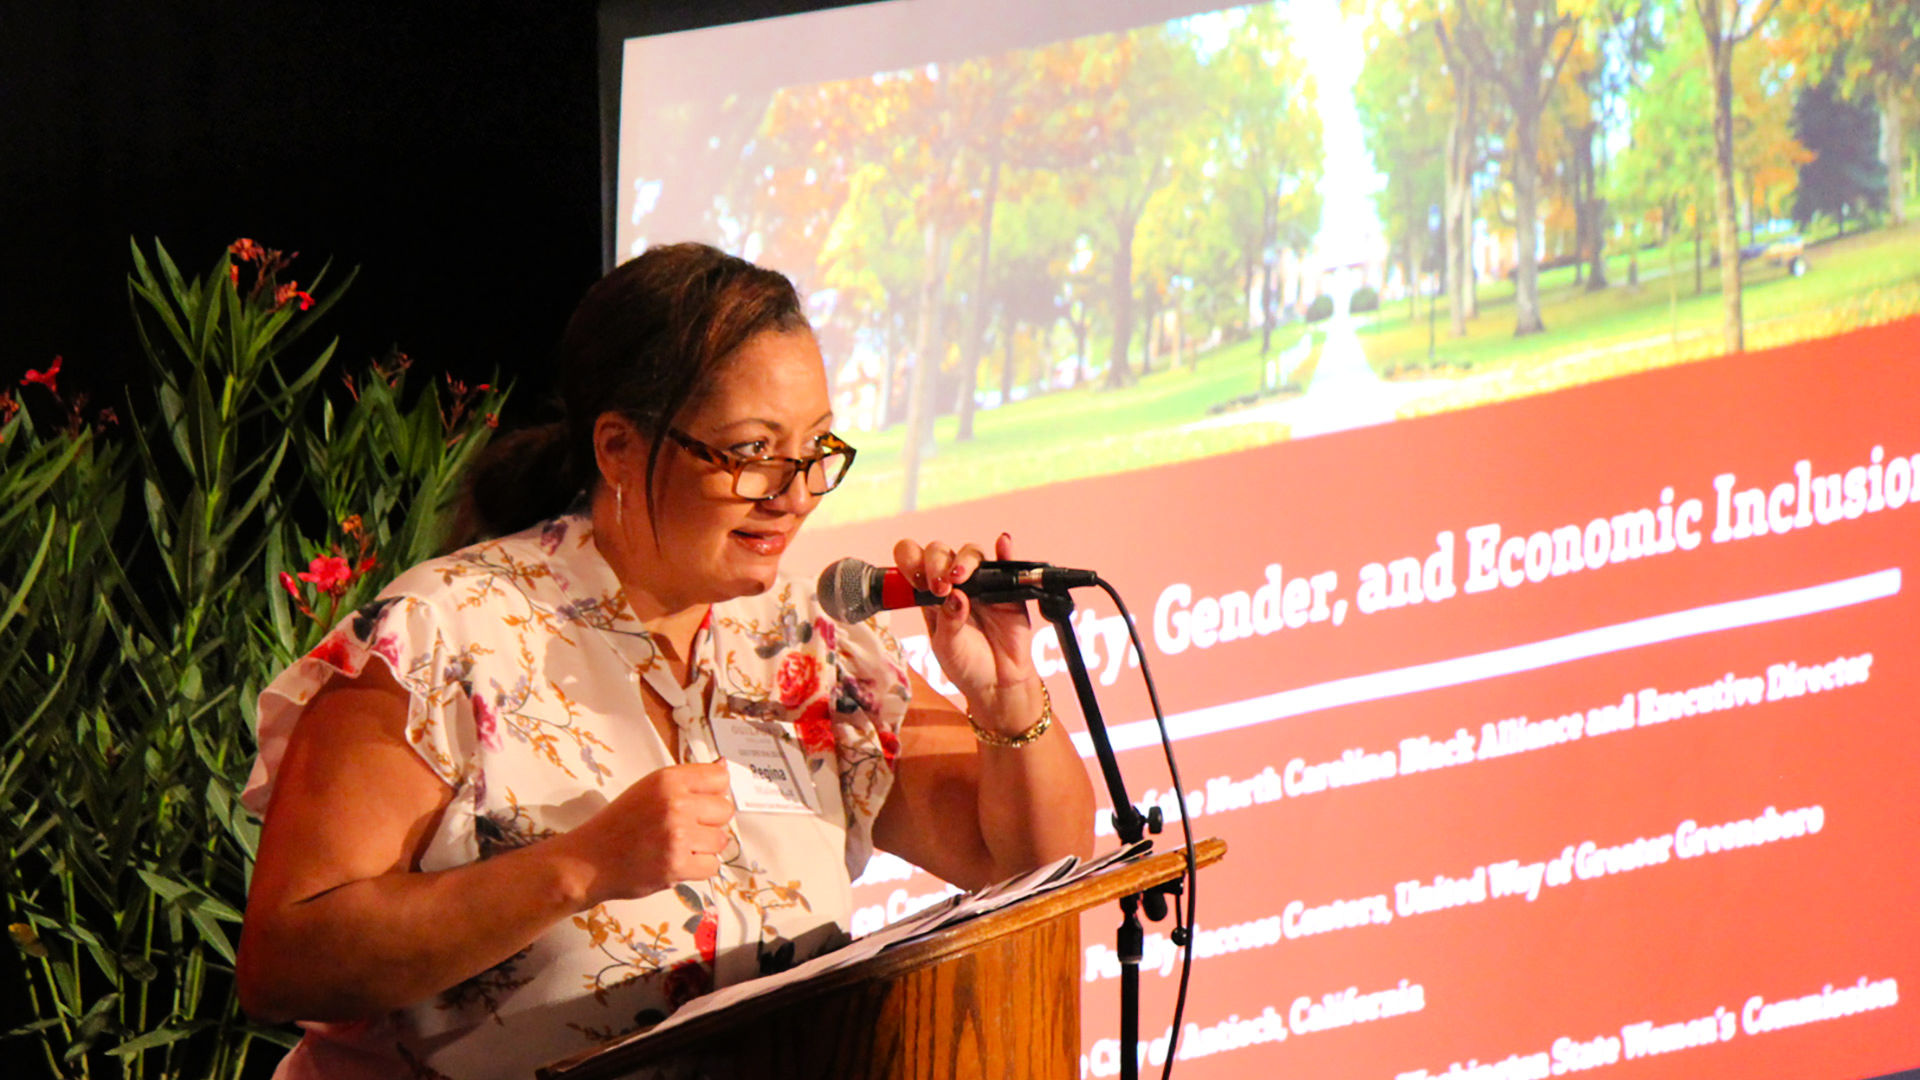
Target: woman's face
[(768, 399)]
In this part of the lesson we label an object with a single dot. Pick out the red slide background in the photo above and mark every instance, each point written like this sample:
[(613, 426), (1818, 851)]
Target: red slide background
[(1509, 976)]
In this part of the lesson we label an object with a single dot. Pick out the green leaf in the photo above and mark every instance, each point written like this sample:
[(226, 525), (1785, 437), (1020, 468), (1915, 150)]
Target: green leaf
[(31, 1028), (263, 487), (212, 933), (175, 284), (189, 896), (24, 588), (97, 1022), (66, 988), (164, 887), (36, 477), (160, 1036), (125, 743), (210, 319), (146, 287)]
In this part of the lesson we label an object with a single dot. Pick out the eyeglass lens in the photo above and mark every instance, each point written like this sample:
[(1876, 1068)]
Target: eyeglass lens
[(767, 479)]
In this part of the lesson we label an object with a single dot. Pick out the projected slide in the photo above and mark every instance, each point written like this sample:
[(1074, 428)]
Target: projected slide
[(1515, 487)]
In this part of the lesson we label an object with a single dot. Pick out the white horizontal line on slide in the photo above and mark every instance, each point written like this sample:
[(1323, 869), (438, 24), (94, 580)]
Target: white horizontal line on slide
[(1460, 670)]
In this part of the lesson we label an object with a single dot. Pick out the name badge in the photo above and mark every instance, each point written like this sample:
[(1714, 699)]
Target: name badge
[(767, 772)]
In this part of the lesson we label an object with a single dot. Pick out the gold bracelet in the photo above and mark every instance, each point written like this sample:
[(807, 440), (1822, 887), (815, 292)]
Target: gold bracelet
[(1015, 742)]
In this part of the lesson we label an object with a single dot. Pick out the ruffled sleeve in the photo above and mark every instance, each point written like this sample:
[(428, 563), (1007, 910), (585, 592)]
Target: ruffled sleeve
[(410, 636)]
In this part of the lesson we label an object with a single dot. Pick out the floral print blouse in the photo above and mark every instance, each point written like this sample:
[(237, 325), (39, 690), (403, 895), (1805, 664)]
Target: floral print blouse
[(523, 665)]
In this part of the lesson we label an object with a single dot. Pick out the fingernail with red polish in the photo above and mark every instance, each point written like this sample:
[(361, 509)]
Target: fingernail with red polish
[(953, 603)]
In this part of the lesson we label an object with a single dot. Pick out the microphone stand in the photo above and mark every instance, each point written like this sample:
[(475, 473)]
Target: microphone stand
[(1128, 821)]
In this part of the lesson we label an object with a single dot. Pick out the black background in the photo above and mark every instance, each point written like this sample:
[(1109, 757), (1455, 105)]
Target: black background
[(451, 154), (450, 151)]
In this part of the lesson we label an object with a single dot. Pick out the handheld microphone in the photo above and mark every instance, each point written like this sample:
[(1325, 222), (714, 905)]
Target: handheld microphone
[(853, 591)]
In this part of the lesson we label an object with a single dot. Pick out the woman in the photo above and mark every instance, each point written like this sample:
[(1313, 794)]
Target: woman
[(517, 833)]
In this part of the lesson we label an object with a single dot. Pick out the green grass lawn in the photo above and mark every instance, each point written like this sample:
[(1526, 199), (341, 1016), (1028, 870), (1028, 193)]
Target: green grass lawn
[(1085, 431), (1089, 430), (1654, 263), (1841, 270)]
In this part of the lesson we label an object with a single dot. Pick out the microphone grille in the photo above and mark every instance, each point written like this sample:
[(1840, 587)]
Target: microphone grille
[(849, 591)]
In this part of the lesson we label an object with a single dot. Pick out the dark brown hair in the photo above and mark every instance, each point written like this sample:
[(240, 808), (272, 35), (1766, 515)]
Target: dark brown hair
[(645, 342)]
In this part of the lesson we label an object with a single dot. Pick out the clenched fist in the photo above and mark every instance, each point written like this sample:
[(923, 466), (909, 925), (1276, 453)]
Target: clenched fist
[(669, 826)]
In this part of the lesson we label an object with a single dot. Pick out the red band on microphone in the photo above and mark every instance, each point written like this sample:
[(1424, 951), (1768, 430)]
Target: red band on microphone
[(895, 591)]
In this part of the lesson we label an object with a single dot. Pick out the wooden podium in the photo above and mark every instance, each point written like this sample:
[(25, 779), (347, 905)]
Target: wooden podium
[(998, 996)]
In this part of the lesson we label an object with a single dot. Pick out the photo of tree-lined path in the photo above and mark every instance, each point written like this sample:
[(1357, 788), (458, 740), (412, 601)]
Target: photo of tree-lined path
[(1286, 219)]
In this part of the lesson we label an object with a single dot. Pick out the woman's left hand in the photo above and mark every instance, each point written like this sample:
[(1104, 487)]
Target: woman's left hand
[(970, 807), (986, 650)]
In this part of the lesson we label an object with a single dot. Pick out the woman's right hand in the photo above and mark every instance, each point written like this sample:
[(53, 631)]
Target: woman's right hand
[(668, 826)]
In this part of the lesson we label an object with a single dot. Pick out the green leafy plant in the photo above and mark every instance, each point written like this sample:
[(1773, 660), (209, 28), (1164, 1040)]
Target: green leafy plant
[(152, 579)]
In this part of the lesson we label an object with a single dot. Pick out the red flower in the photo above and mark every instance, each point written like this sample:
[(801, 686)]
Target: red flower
[(287, 583), (292, 291), (388, 649), (233, 275), (798, 678), (333, 652), (889, 746), (706, 936), (49, 378), (330, 572), (246, 251), (815, 730), (8, 406), (486, 723)]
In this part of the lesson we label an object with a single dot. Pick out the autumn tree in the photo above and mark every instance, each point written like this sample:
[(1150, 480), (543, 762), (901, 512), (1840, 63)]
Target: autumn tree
[(1034, 238), (1019, 117), (1845, 174), (1173, 246), (1616, 39), (931, 158), (1266, 149), (1866, 48), (1465, 97), (988, 97), (793, 178), (1517, 47), (1405, 102), (1155, 77), (1726, 24), (692, 150), (1767, 150), (870, 267), (901, 130), (1665, 169)]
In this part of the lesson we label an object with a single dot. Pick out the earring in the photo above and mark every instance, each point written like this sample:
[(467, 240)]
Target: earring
[(620, 506)]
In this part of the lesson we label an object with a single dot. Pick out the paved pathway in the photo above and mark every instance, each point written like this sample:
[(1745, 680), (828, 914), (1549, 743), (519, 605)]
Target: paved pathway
[(1345, 392)]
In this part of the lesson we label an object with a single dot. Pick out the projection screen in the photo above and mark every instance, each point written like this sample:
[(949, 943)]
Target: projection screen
[(1532, 622)]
